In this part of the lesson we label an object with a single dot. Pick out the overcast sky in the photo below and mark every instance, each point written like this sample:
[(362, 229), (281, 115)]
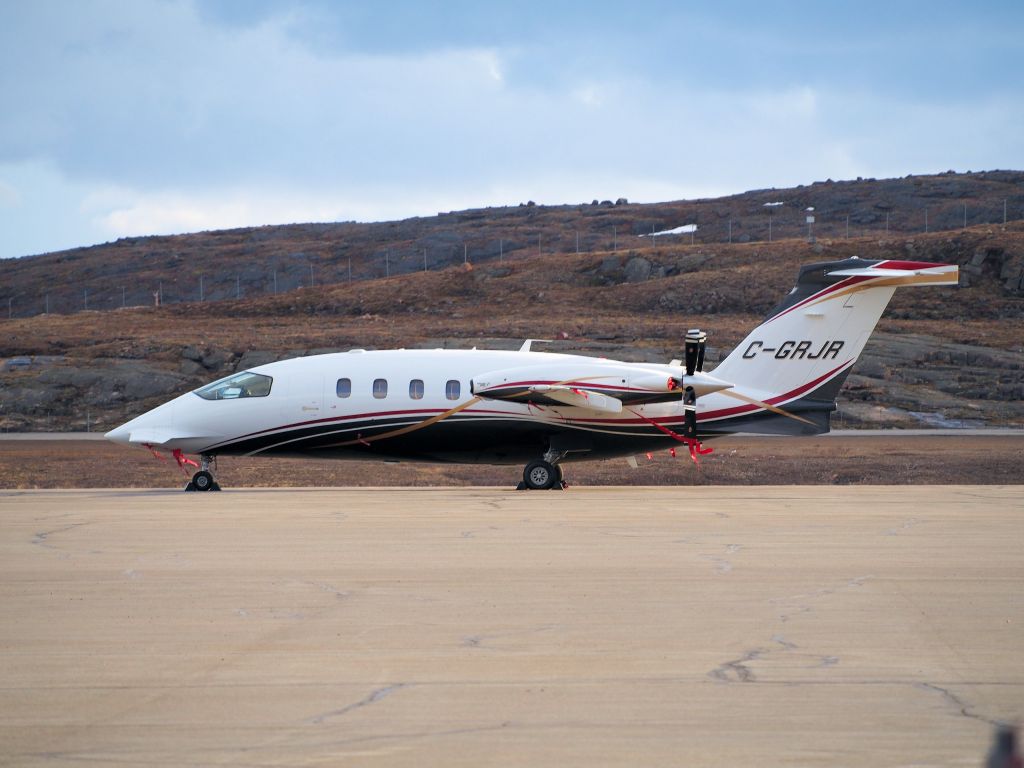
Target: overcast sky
[(136, 117)]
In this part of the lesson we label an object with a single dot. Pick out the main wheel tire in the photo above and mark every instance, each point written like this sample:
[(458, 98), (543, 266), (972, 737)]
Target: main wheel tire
[(539, 475), (202, 480)]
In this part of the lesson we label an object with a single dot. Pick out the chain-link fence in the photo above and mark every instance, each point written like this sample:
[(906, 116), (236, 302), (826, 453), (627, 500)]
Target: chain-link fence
[(441, 249)]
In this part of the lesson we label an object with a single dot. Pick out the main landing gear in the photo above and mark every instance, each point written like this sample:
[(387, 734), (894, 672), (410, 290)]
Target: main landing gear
[(203, 480), (544, 474)]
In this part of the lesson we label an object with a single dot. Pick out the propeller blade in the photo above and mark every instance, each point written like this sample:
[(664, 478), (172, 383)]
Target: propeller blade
[(696, 340), (766, 406), (690, 413)]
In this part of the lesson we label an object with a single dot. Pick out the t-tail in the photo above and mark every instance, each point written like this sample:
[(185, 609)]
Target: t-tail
[(787, 372)]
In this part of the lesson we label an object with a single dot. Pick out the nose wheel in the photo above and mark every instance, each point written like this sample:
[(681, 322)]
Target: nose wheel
[(203, 480)]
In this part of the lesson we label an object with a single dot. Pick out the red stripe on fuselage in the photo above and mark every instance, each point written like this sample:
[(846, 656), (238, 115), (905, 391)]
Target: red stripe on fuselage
[(426, 412), (348, 417), (778, 398)]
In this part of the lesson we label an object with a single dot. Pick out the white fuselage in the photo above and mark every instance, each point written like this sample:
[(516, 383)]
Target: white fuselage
[(308, 412)]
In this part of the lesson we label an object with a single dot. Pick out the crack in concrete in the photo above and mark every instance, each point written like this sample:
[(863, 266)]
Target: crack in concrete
[(399, 737), (324, 587), (41, 538), (800, 600), (722, 565), (737, 671), (477, 641), (957, 702), (373, 698), (908, 523), (786, 645)]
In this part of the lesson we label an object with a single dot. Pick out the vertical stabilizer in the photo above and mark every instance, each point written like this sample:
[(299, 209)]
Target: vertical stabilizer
[(800, 356)]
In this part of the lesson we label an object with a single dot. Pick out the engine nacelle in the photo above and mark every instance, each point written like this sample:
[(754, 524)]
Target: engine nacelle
[(632, 385)]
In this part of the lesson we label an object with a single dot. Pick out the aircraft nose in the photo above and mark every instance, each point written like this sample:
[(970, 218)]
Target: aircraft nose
[(120, 435)]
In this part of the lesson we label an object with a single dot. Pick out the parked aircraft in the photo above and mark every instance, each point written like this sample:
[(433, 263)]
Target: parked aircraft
[(537, 408)]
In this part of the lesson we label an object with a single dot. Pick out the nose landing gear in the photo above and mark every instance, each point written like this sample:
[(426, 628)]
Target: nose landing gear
[(203, 480)]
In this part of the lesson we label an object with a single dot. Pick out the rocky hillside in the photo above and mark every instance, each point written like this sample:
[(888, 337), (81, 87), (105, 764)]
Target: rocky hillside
[(942, 356), (249, 263)]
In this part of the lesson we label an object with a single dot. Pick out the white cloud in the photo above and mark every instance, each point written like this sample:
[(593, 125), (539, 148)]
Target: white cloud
[(9, 196), (172, 212), (589, 95)]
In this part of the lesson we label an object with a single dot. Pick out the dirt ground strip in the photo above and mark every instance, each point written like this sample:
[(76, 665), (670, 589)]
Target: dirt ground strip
[(847, 626), (874, 458)]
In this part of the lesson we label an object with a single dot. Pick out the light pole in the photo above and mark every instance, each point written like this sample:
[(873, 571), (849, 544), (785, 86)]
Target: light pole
[(771, 207)]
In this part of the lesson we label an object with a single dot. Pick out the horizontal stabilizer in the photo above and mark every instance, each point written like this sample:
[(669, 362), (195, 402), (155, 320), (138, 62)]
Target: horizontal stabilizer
[(940, 274)]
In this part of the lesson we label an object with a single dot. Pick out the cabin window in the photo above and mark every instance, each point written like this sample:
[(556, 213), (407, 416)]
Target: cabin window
[(380, 388), (453, 389), (344, 387), (247, 384), (416, 389)]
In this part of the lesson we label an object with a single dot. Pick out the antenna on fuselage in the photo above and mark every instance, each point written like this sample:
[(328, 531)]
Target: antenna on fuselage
[(528, 342)]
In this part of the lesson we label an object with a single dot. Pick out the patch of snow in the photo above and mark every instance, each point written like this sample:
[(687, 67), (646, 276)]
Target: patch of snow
[(772, 205), (940, 421), (683, 230)]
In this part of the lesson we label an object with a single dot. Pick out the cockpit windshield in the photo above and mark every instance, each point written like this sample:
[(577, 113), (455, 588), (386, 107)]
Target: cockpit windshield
[(246, 384)]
